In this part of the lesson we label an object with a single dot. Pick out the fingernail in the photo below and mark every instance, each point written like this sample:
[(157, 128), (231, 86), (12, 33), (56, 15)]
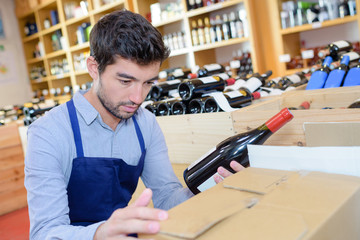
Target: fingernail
[(163, 215), (220, 170), (154, 227)]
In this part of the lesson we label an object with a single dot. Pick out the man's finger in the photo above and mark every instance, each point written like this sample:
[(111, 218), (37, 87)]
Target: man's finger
[(237, 167), (144, 199)]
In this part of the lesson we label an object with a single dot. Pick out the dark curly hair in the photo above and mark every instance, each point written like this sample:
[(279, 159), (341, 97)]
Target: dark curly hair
[(128, 35)]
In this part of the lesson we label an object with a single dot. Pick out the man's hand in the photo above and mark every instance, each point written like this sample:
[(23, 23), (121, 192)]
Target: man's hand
[(136, 218), (223, 173)]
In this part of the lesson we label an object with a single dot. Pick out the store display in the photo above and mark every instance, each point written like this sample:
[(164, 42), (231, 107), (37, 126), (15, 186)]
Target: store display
[(199, 175)]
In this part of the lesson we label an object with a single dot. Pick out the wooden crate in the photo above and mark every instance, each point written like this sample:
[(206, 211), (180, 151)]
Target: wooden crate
[(12, 190), (190, 136)]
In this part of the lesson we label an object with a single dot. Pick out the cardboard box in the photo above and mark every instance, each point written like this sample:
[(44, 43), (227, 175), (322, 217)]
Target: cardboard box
[(270, 204)]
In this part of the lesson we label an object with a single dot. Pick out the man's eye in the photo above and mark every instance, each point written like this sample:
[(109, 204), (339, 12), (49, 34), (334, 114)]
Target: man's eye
[(125, 81), (150, 83)]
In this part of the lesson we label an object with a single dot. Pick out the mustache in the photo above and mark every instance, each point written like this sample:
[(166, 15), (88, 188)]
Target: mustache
[(128, 103)]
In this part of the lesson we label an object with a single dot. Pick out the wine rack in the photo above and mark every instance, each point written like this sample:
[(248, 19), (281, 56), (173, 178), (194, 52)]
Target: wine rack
[(59, 43), (217, 52)]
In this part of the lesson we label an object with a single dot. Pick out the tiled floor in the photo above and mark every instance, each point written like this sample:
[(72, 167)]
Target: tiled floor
[(15, 225)]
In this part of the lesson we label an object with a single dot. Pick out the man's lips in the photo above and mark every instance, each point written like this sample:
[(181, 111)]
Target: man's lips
[(131, 108)]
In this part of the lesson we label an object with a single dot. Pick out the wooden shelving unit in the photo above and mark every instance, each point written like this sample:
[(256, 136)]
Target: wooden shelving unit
[(276, 42), (68, 29), (207, 53)]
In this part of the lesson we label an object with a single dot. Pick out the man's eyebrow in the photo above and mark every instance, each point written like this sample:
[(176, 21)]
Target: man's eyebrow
[(127, 76)]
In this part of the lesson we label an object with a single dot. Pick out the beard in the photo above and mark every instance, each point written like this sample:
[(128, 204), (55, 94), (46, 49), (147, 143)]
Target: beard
[(114, 108)]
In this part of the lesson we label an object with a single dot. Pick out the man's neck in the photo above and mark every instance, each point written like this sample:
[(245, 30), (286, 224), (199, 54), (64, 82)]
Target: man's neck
[(106, 116)]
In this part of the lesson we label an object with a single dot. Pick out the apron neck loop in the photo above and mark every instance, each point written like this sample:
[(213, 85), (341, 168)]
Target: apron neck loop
[(75, 127)]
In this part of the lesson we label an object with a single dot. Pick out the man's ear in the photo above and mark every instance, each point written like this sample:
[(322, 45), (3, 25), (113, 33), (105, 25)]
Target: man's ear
[(92, 67)]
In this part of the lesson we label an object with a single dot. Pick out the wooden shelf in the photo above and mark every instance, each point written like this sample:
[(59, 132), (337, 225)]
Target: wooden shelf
[(172, 20), (318, 25), (56, 54), (31, 37), (35, 60), (107, 7), (58, 76), (80, 47), (79, 73), (179, 52), (220, 44), (212, 8), (76, 20), (51, 29)]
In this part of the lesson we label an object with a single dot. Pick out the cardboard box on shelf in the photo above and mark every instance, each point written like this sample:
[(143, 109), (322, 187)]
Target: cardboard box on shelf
[(269, 204)]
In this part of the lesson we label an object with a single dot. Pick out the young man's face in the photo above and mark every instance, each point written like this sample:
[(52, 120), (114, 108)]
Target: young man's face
[(124, 85)]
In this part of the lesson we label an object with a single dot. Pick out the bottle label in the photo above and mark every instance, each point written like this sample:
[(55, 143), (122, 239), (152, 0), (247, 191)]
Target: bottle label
[(210, 182), (201, 158), (352, 56), (212, 67), (252, 84), (341, 44), (208, 79), (223, 76), (294, 78), (172, 82), (234, 94)]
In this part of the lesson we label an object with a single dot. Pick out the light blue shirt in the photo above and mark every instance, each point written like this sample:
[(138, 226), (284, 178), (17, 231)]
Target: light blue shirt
[(51, 150)]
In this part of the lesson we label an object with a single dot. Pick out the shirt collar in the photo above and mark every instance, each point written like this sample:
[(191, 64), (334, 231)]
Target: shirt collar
[(82, 105)]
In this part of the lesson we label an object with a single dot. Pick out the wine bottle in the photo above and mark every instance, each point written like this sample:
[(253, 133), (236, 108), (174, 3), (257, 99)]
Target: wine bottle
[(201, 32), (239, 99), (199, 175), (164, 89), (318, 78), (207, 70), (352, 77), (303, 105), (335, 49), (336, 76), (218, 28), (210, 105), (255, 82), (194, 33), (192, 88), (178, 73), (197, 105), (207, 30), (152, 107), (287, 81), (178, 108), (164, 107), (226, 27), (355, 104)]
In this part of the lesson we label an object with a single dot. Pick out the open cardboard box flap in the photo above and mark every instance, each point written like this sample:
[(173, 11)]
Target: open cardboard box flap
[(270, 204)]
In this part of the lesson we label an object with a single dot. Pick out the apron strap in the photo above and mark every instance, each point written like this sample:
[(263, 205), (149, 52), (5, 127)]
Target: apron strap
[(75, 128), (139, 135)]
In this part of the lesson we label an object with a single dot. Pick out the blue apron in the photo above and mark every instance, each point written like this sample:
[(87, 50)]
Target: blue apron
[(99, 185)]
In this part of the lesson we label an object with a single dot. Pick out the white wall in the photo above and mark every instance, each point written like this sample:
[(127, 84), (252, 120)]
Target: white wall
[(17, 90)]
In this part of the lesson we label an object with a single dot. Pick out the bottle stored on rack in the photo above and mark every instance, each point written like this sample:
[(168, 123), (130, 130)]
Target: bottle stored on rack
[(255, 82), (178, 73), (303, 105), (192, 88), (207, 29), (194, 33), (239, 99), (178, 108), (336, 76), (287, 81), (352, 77), (210, 105), (199, 175), (197, 105), (335, 49), (355, 104), (152, 107), (201, 32), (164, 107), (207, 70), (164, 89), (318, 78)]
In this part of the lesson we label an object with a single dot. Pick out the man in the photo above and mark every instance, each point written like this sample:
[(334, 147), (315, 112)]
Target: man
[(84, 157)]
